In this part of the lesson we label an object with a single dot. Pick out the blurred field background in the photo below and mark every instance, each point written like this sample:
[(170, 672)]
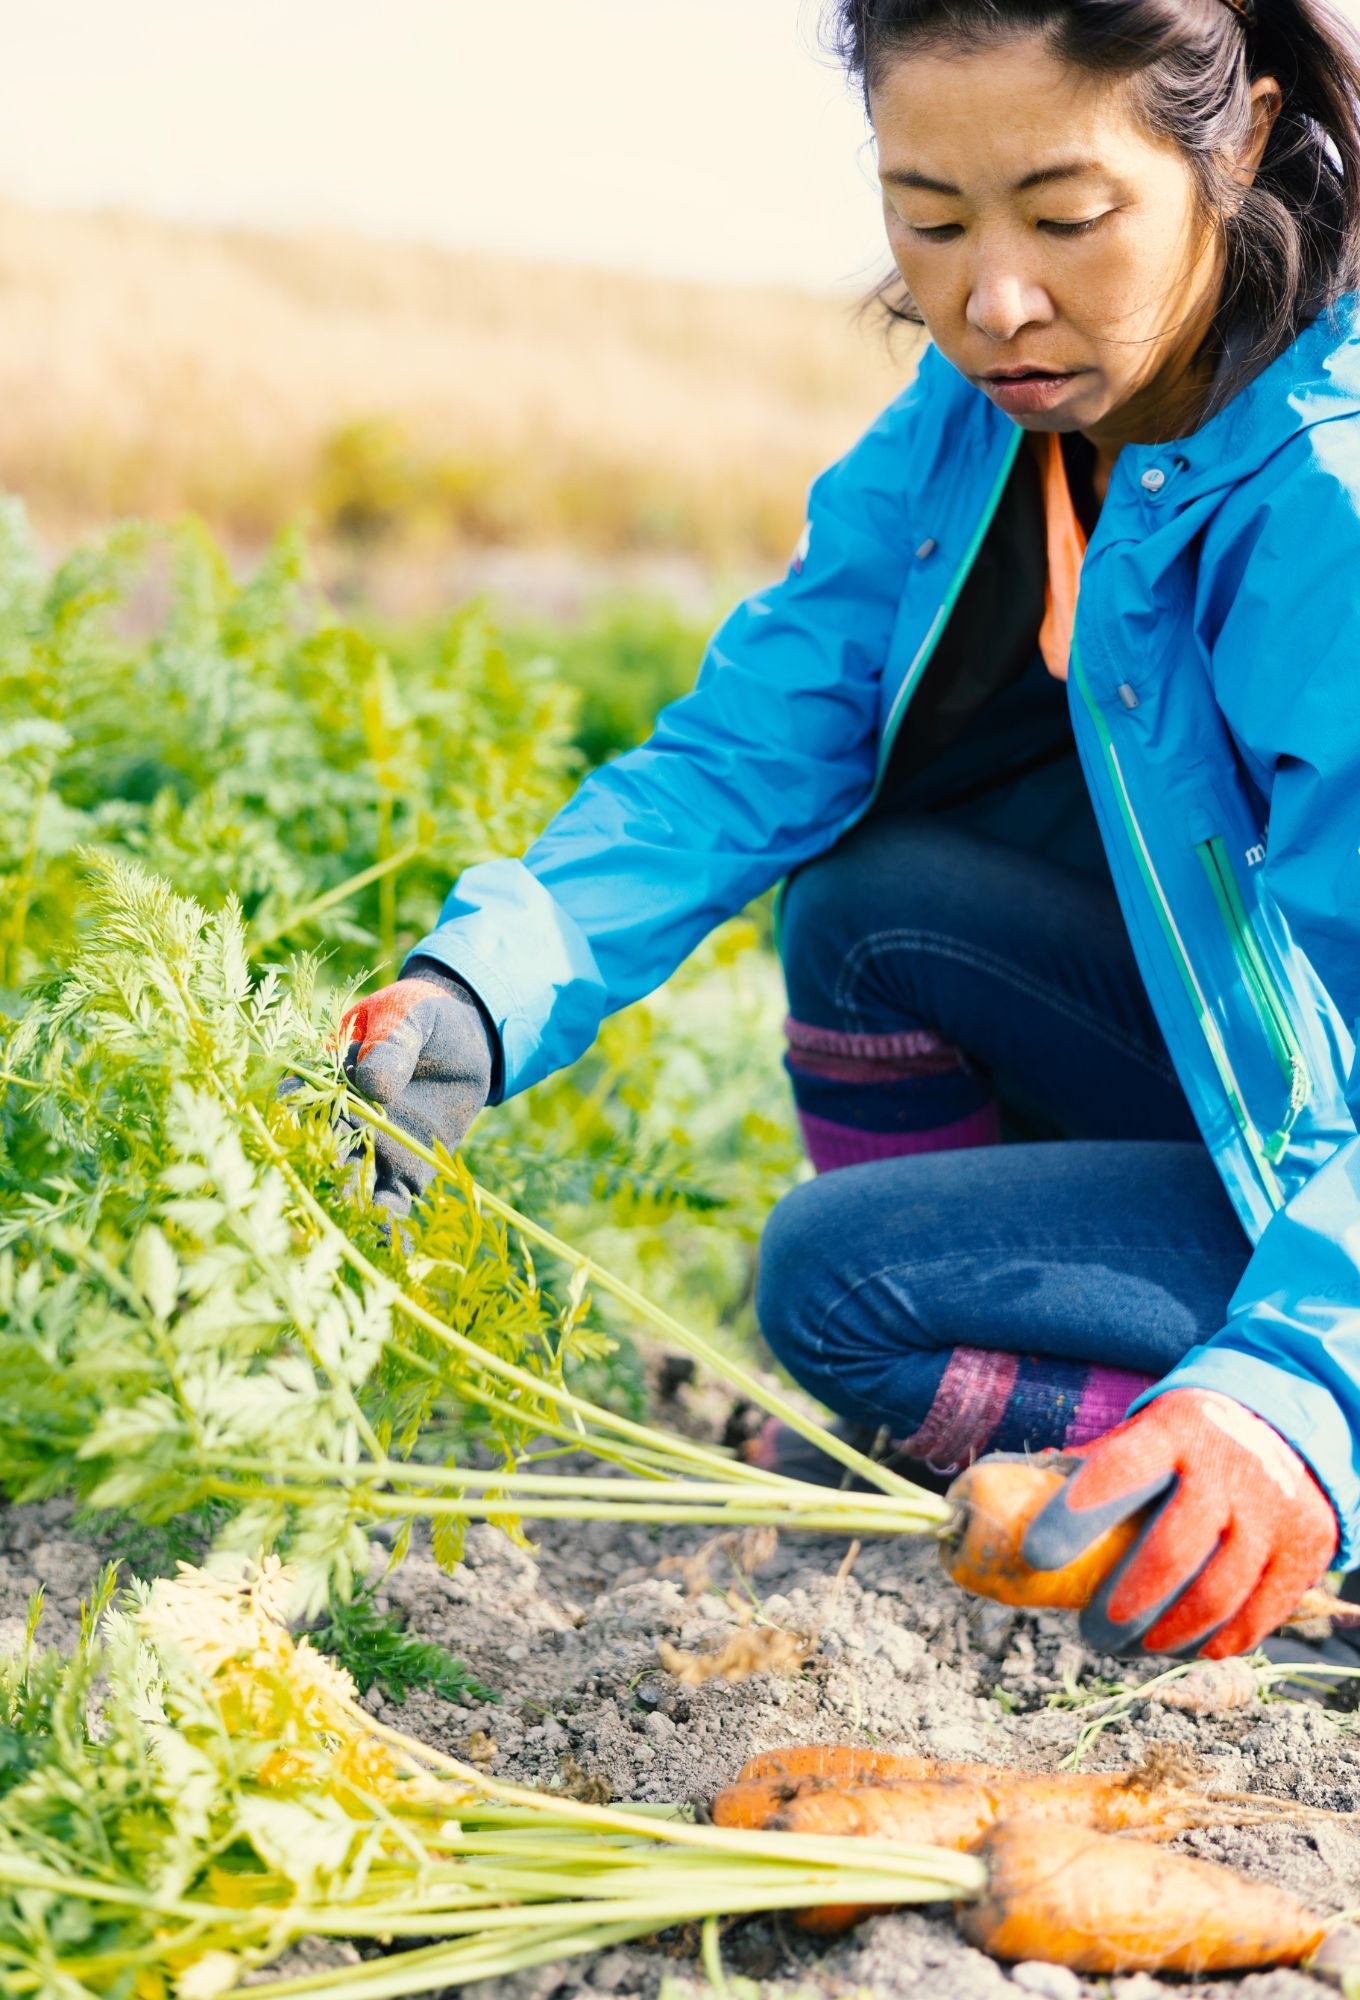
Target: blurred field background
[(417, 406)]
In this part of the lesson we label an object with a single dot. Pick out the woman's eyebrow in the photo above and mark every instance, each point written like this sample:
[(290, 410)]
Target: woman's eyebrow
[(1067, 170)]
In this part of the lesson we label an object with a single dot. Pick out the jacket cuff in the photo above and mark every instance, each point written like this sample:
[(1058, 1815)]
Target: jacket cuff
[(1306, 1415)]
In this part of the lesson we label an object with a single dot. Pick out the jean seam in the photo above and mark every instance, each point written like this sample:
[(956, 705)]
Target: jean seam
[(871, 948), (970, 1256)]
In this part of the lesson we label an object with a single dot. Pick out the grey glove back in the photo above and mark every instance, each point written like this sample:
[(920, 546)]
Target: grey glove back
[(423, 1049)]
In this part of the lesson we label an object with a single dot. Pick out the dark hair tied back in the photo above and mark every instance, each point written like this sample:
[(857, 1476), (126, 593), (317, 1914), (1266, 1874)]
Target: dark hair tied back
[(1291, 240)]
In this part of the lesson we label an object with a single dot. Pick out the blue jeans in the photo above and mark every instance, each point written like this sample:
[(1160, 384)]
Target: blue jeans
[(1099, 1239)]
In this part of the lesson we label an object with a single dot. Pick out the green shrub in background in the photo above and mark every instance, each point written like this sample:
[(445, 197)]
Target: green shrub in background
[(624, 659), (237, 739)]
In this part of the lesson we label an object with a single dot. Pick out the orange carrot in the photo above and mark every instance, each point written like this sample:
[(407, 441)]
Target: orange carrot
[(919, 1796), (996, 1500), (862, 1811), (754, 1802), (772, 1780), (1097, 1903), (950, 1812), (956, 1812), (926, 1812), (847, 1763)]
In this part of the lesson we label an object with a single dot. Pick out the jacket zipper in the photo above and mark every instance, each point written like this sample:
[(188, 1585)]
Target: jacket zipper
[(925, 651), (1260, 985), (1256, 1146)]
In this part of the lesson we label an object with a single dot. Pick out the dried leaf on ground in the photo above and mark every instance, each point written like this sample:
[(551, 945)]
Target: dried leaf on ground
[(761, 1650), (754, 1547), (591, 1788)]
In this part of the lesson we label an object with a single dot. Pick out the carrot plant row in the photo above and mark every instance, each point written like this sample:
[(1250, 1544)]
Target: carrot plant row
[(202, 1315)]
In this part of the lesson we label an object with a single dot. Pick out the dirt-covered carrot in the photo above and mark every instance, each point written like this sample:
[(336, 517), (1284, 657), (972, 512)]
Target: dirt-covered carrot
[(997, 1499), (1098, 1903), (848, 1763), (926, 1812), (959, 1812), (766, 1784), (956, 1812), (772, 1780), (928, 1795), (754, 1802), (1210, 1687)]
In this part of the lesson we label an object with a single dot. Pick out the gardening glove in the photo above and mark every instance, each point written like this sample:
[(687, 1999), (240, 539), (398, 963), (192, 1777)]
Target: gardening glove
[(1237, 1528), (422, 1048)]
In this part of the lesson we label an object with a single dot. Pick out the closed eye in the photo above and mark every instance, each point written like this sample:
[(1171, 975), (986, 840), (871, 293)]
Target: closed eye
[(1074, 228), (946, 232)]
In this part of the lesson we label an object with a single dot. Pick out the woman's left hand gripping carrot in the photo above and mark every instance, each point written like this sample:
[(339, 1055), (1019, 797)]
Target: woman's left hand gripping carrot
[(1234, 1528)]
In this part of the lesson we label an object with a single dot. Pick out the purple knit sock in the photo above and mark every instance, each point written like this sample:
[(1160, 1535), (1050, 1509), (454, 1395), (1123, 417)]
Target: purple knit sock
[(1105, 1402), (882, 1097), (830, 1146), (989, 1401)]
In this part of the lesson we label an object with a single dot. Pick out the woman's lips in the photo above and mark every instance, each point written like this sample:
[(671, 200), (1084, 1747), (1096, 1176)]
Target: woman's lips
[(1025, 395)]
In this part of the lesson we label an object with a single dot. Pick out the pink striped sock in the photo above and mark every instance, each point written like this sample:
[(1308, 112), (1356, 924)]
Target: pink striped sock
[(968, 1408), (993, 1401), (854, 1058), (989, 1400)]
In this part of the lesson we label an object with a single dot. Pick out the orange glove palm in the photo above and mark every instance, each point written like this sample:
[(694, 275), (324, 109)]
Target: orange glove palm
[(1237, 1528)]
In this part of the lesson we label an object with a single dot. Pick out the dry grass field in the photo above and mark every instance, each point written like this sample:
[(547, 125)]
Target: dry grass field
[(406, 395)]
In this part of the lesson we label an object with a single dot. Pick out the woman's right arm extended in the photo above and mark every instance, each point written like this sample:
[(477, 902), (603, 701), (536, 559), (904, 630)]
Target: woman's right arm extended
[(761, 767)]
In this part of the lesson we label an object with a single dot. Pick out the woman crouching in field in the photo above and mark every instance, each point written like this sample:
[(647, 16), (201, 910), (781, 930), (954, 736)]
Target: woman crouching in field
[(1054, 729)]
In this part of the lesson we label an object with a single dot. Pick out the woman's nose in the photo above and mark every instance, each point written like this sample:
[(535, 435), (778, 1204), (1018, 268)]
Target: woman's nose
[(1002, 302)]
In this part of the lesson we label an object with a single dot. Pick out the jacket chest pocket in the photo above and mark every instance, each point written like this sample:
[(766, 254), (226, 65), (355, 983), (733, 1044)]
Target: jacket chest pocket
[(1257, 996)]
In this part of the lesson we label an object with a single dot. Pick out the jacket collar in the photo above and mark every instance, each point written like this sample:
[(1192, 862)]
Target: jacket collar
[(1315, 379)]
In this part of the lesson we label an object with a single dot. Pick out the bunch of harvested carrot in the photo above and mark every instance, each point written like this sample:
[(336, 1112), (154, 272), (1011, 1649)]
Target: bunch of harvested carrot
[(1132, 1903), (997, 1501)]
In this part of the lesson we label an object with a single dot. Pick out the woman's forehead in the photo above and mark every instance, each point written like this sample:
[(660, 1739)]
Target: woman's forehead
[(1013, 116)]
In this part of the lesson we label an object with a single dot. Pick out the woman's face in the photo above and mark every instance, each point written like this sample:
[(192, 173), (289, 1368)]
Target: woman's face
[(1039, 227)]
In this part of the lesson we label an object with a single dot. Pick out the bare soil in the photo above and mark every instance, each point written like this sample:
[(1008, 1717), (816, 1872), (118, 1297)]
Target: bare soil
[(569, 1634)]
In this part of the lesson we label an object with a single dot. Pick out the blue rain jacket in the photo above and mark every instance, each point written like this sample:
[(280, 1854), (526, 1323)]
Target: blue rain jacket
[(1215, 698)]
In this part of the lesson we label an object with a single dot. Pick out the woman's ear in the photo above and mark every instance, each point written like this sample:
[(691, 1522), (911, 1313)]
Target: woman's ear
[(1267, 100)]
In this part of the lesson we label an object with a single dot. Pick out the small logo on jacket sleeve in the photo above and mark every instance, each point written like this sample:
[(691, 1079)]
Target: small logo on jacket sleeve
[(800, 553)]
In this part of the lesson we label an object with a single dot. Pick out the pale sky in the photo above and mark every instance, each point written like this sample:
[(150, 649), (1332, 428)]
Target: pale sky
[(707, 138)]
